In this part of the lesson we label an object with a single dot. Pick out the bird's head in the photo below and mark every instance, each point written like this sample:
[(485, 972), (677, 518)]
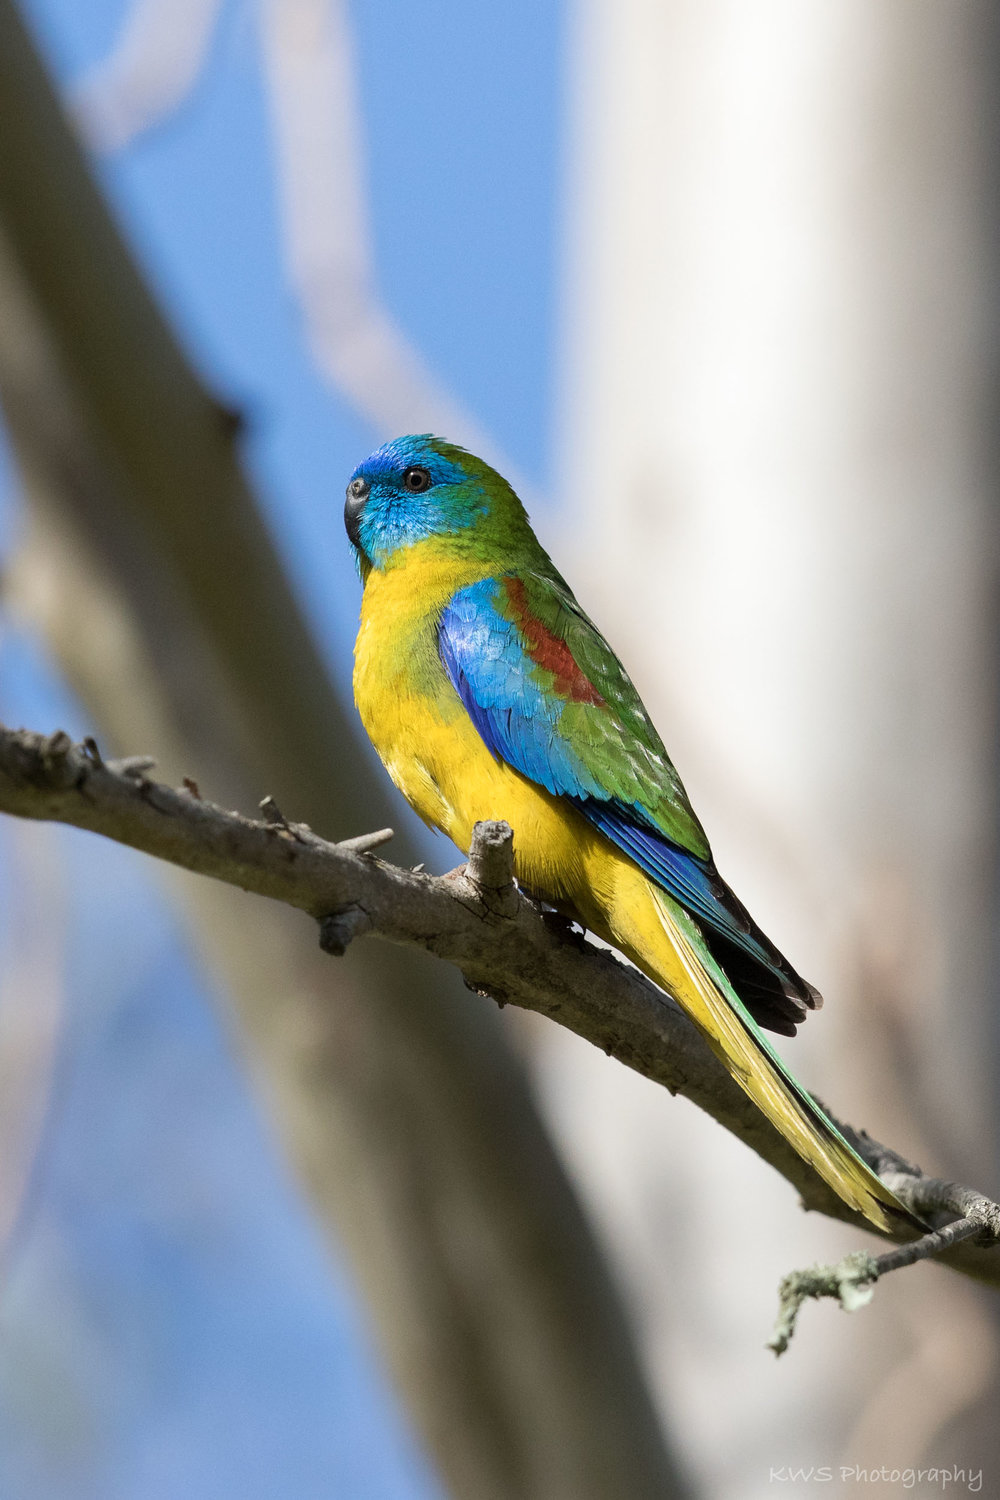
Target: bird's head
[(415, 488)]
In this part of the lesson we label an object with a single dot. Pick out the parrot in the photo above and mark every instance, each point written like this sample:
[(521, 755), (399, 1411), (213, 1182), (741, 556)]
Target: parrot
[(489, 694)]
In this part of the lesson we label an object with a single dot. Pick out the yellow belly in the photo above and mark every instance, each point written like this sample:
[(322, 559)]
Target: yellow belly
[(430, 746)]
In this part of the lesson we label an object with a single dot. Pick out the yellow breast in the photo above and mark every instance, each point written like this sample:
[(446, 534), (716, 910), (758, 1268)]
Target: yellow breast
[(425, 738)]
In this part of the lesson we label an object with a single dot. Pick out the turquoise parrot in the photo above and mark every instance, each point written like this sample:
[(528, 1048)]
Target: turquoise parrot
[(488, 693)]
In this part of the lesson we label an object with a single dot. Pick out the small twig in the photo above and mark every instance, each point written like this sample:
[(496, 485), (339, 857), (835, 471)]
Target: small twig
[(364, 843), (338, 929), (275, 818), (931, 1244), (490, 867), (134, 766), (849, 1281), (491, 856), (272, 813), (57, 747), (852, 1280)]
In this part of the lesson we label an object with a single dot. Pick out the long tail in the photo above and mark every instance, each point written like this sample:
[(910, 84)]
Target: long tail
[(710, 1001)]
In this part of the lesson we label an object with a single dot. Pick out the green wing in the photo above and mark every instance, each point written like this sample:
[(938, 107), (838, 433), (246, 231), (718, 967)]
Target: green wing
[(549, 697)]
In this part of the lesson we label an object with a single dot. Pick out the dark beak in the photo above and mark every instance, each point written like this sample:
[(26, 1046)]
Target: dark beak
[(357, 494)]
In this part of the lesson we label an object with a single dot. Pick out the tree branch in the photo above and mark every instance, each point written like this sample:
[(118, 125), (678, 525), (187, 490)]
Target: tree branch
[(851, 1281), (474, 917)]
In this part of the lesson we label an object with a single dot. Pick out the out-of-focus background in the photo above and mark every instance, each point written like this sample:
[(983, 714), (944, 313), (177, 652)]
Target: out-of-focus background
[(715, 283)]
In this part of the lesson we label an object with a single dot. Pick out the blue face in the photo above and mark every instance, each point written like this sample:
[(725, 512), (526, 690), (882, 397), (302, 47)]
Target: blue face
[(407, 491)]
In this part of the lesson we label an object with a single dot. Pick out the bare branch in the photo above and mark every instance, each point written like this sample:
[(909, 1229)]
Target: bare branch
[(851, 1282), (355, 341), (152, 68), (930, 1198), (474, 917)]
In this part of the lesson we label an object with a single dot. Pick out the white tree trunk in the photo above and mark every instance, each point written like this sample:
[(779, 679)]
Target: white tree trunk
[(776, 466)]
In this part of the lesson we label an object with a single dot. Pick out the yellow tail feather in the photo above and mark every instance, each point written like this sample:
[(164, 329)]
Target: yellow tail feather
[(670, 957)]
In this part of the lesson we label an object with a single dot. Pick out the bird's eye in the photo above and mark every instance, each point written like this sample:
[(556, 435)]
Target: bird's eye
[(416, 480)]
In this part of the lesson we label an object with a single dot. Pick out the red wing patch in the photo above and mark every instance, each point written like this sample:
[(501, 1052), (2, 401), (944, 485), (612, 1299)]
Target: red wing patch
[(548, 651)]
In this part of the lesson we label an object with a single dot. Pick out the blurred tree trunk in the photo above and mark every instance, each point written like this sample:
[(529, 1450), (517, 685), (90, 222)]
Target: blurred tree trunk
[(403, 1109), (781, 431)]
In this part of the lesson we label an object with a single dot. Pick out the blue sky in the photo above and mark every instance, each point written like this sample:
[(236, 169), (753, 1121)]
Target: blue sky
[(169, 1320), (461, 115)]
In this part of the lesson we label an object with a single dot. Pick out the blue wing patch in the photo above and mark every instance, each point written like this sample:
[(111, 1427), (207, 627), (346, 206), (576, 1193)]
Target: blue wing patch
[(490, 669)]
